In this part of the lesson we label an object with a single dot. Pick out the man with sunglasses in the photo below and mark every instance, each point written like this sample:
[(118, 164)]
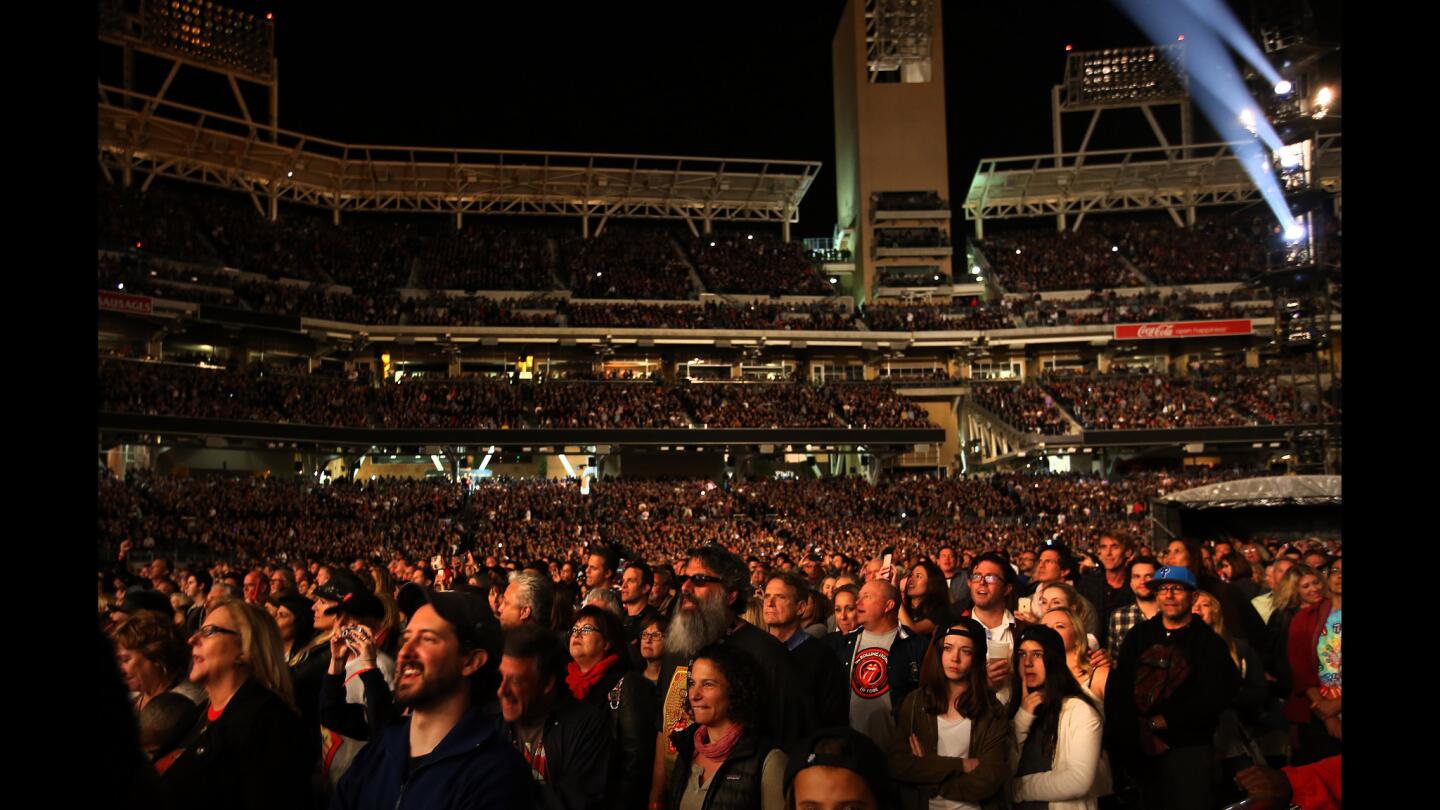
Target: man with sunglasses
[(714, 592), (1165, 696)]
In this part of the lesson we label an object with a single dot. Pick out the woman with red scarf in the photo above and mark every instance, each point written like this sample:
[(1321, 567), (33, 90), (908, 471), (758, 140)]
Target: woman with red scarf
[(726, 758), (600, 673), (1315, 719)]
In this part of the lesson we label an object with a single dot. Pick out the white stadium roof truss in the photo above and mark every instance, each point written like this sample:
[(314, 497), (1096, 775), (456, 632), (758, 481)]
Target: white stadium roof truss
[(159, 137), (1123, 179)]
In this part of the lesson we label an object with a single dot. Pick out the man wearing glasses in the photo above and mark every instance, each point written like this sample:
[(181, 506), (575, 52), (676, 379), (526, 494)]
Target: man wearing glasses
[(1163, 703), (991, 579)]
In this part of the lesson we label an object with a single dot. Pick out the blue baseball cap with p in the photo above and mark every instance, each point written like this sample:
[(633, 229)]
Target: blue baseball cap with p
[(1177, 574)]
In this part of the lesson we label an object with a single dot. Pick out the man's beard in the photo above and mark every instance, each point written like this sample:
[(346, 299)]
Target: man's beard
[(433, 688), (1144, 597), (694, 627)]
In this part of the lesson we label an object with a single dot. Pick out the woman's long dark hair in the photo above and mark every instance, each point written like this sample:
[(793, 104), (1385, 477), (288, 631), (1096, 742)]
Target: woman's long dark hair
[(935, 687), (1059, 686), (937, 595)]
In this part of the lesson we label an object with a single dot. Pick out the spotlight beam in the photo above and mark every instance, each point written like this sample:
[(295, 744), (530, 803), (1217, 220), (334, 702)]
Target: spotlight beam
[(1219, 91), (1222, 21)]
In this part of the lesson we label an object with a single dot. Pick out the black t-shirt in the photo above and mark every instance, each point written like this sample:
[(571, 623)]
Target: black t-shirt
[(413, 765)]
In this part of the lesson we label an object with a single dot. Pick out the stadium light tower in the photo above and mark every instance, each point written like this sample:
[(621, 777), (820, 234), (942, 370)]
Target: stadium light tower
[(1299, 108), (1123, 78)]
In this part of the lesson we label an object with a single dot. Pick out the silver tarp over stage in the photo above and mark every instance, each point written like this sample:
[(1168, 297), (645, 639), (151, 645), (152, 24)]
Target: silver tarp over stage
[(1280, 490)]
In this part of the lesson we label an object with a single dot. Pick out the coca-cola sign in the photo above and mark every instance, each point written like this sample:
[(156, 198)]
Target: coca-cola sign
[(1181, 329), (120, 302)]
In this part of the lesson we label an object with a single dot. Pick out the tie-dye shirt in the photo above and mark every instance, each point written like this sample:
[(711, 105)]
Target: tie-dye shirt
[(1328, 649)]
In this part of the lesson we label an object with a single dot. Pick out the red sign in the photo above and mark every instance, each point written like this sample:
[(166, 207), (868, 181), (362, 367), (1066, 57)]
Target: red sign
[(120, 302), (1182, 329)]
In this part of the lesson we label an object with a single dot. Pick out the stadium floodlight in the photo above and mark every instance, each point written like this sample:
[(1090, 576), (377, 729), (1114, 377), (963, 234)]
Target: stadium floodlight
[(834, 280), (1291, 156), (211, 33), (1324, 96), (1295, 233), (1283, 88), (1124, 76), (1114, 248), (975, 270)]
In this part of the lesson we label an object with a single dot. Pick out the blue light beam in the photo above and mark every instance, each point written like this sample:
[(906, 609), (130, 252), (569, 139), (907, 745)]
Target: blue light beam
[(1222, 21), (1219, 91)]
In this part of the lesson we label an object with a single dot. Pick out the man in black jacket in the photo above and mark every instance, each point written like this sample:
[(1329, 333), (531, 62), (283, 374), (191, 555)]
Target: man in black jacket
[(1108, 589), (565, 741), (822, 676), (1164, 699)]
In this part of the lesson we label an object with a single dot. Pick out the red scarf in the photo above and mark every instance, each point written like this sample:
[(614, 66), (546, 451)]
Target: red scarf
[(720, 749), (580, 683)]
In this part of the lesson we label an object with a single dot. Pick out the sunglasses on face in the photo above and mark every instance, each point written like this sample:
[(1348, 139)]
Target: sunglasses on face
[(697, 580)]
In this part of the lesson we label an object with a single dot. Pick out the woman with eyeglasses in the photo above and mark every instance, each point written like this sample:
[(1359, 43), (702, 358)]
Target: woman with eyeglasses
[(600, 673), (951, 746), (652, 646), (250, 748), (726, 758), (1058, 729)]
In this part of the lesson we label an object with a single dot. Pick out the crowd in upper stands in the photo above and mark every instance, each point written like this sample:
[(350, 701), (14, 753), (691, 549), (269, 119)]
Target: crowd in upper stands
[(1109, 307), (818, 315), (1042, 259), (266, 394), (625, 263), (1024, 405), (748, 264), (968, 313)]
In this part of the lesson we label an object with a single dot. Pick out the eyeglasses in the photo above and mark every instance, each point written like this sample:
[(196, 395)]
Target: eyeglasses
[(697, 580), (1170, 588), (208, 630), (577, 632), (988, 579), (652, 636)]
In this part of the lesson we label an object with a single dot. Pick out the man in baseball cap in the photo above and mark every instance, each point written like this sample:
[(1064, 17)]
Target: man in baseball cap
[(354, 692), (1164, 700), (449, 751), (838, 767)]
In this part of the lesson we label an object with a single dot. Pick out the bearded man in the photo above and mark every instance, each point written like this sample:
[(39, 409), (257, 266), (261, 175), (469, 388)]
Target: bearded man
[(714, 591)]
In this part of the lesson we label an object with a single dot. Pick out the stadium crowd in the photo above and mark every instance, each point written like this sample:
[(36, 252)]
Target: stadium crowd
[(938, 316), (625, 263), (1108, 307), (258, 393), (816, 315), (746, 264), (1024, 405), (998, 640)]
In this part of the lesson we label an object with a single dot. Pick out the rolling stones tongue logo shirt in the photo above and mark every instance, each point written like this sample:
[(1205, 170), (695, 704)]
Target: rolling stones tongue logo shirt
[(870, 685)]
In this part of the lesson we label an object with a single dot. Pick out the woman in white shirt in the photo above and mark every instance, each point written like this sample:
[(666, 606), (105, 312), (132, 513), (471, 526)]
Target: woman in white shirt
[(950, 749), (1057, 726)]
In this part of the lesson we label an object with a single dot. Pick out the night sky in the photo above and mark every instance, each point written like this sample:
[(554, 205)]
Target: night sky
[(735, 79)]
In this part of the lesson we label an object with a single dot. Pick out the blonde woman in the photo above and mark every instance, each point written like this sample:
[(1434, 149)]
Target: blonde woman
[(250, 748), (1067, 623), (1062, 595)]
